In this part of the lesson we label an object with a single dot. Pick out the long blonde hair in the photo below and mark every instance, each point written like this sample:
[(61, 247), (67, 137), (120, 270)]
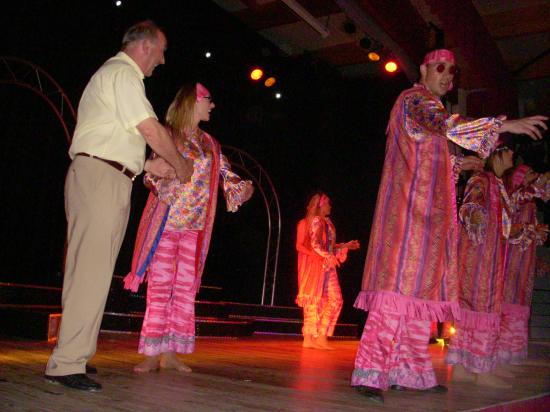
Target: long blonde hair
[(179, 115), (312, 210)]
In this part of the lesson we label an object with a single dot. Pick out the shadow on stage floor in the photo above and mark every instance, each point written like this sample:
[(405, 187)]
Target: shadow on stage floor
[(258, 373)]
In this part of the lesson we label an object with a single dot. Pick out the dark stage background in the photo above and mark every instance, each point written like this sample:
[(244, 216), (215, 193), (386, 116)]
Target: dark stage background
[(326, 133)]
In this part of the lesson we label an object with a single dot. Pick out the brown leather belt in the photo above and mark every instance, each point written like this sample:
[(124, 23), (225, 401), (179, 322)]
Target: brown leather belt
[(112, 163)]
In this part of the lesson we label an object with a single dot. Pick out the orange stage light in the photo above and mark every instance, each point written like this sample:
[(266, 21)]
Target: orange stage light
[(256, 74), (373, 56), (452, 330), (270, 81), (391, 66)]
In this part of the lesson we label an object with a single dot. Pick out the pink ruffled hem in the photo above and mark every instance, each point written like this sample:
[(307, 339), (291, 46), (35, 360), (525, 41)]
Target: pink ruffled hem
[(168, 343), (474, 320), (517, 311), (399, 376), (513, 357), (414, 308)]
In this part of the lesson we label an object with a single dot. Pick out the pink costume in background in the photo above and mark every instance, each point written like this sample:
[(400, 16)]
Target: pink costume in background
[(520, 272), (319, 292), (482, 251), (410, 276), (172, 244)]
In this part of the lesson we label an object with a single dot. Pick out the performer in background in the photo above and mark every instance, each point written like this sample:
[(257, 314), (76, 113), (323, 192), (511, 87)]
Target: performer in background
[(519, 275), (318, 257), (410, 277), (174, 233), (484, 234)]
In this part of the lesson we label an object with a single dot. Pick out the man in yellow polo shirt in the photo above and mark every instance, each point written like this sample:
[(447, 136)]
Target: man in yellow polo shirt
[(115, 123)]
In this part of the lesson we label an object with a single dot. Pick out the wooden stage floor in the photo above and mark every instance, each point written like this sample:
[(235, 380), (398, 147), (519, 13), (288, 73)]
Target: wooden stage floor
[(260, 373)]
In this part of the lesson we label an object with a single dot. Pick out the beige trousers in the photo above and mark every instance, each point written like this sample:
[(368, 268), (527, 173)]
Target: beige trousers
[(97, 204)]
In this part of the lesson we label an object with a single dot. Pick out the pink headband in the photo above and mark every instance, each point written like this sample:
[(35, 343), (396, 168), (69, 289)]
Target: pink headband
[(439, 55), (202, 92), (323, 200)]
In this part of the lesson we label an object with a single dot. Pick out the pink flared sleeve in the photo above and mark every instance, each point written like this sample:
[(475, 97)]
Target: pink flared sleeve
[(424, 112), (236, 190)]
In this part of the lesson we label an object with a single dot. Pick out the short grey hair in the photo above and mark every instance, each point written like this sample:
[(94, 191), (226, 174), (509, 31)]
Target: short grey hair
[(143, 30)]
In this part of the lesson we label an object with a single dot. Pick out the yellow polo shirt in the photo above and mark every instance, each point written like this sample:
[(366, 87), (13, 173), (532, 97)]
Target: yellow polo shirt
[(112, 105)]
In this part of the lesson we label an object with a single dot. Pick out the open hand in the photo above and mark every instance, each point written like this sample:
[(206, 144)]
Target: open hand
[(352, 245), (526, 125), (160, 168)]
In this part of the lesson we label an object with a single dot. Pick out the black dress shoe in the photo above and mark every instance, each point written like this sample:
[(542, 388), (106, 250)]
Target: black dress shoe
[(91, 370), (433, 389), (398, 388), (374, 394), (75, 381)]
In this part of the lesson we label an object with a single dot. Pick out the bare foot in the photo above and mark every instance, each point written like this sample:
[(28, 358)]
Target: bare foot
[(492, 381), (151, 363), (309, 342), (323, 342), (460, 374), (169, 360)]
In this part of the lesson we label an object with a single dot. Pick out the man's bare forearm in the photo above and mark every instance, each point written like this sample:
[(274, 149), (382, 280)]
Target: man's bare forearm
[(158, 138)]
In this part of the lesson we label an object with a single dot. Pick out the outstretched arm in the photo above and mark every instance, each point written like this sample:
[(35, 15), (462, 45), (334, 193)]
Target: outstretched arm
[(526, 125)]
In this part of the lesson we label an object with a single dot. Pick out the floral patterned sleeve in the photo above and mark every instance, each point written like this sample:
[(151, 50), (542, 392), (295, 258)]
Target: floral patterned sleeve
[(316, 234), (236, 190), (456, 162), (539, 188), (341, 254), (474, 204), (546, 190), (523, 234), (426, 113)]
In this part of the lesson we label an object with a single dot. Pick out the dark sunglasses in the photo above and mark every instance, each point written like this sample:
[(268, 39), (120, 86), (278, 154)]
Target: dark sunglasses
[(441, 68)]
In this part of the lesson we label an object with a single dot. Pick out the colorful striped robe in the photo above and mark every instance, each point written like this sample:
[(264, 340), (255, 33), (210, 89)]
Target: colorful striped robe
[(411, 262), (520, 260)]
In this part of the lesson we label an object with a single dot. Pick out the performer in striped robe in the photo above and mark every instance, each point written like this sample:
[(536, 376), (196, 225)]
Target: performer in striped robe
[(410, 276)]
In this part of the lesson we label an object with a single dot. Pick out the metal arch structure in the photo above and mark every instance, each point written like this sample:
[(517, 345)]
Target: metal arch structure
[(21, 73), (239, 159)]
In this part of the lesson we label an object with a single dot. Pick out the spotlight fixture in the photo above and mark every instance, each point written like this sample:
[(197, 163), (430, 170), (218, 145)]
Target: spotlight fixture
[(256, 74), (365, 43), (391, 66), (270, 81), (207, 54), (118, 3), (278, 95), (373, 56), (349, 27)]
